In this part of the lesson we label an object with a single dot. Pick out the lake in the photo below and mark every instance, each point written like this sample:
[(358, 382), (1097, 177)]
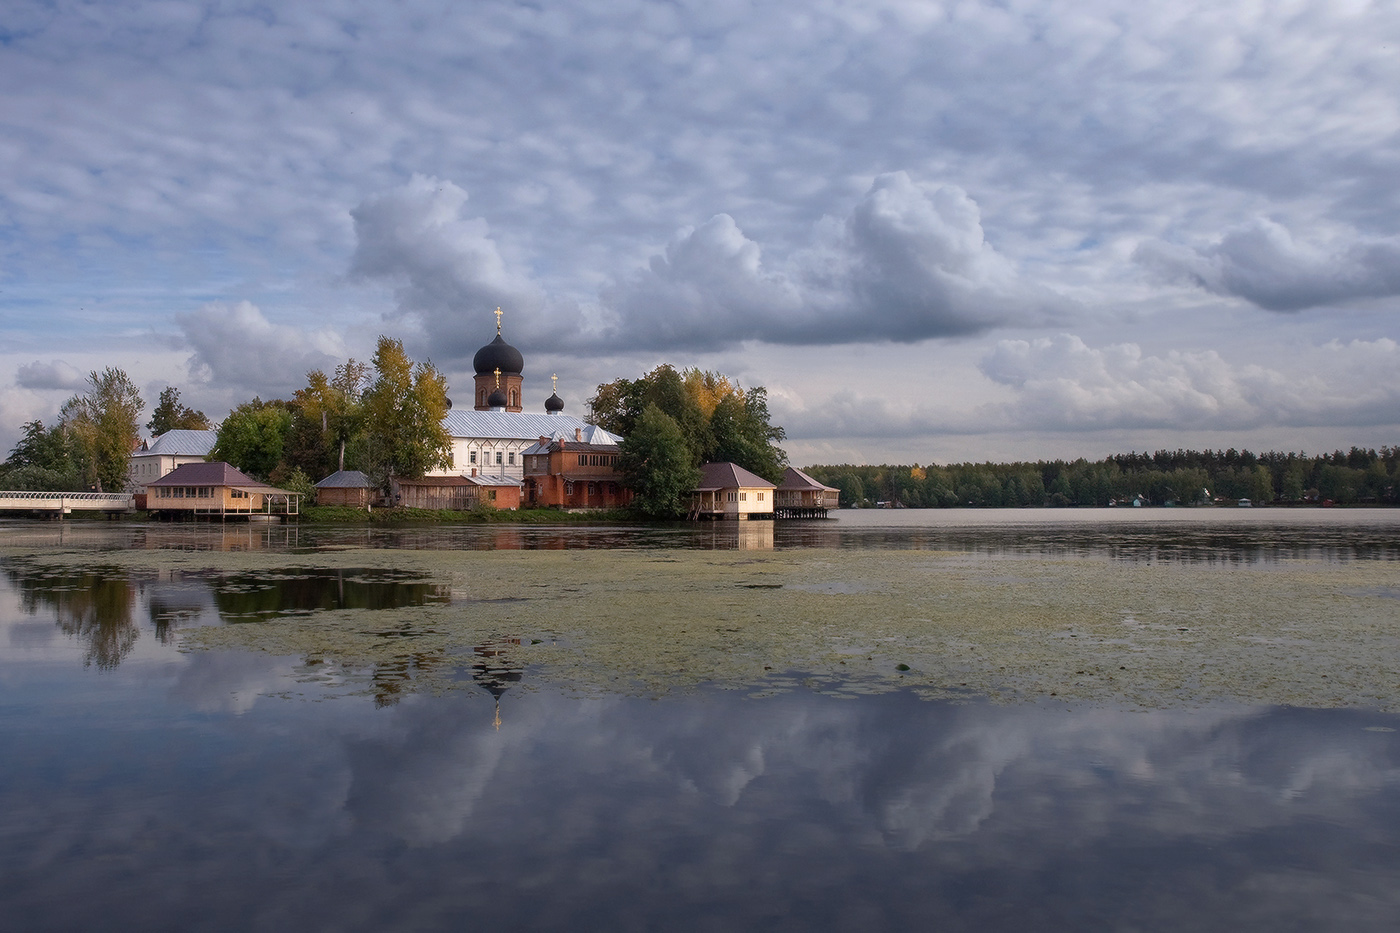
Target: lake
[(1148, 719)]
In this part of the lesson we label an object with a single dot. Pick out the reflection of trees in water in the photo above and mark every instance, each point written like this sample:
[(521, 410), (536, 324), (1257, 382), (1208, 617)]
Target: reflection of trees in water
[(252, 597), (95, 607)]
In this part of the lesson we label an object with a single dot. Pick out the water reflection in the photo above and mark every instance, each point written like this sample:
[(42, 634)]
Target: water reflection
[(707, 811), (1181, 535), (101, 608)]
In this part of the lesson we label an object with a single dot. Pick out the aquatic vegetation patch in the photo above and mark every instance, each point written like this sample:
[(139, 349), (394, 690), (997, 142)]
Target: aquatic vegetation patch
[(949, 625)]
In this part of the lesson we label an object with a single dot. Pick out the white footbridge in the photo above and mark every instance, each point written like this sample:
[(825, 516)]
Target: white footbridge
[(62, 503)]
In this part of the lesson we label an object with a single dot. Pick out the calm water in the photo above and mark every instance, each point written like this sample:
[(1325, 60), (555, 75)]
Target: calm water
[(143, 786)]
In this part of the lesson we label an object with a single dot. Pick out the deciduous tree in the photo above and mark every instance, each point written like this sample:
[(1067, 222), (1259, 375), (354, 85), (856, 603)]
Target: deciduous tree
[(102, 425), (657, 465), (403, 411)]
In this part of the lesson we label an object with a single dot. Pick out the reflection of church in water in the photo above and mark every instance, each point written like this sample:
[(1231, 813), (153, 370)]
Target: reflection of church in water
[(499, 440), (496, 667)]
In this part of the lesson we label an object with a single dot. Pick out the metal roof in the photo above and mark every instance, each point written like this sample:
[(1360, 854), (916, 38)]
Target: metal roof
[(523, 426), (181, 443), (345, 479), (729, 476)]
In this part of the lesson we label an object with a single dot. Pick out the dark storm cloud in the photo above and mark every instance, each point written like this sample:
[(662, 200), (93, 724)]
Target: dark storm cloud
[(1263, 264), (908, 263), (54, 374)]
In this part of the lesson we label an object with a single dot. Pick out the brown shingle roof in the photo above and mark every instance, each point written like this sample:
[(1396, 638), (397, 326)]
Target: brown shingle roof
[(729, 476)]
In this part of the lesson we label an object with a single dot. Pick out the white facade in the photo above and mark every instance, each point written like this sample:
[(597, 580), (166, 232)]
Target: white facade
[(162, 455), (494, 442)]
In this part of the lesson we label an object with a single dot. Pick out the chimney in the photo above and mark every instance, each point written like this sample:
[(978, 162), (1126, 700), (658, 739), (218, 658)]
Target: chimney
[(544, 441), (473, 471), (578, 434)]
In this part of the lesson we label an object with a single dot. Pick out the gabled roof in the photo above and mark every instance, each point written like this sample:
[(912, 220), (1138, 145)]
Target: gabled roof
[(487, 479), (793, 478), (345, 479), (521, 425), (215, 473), (729, 476), (181, 443)]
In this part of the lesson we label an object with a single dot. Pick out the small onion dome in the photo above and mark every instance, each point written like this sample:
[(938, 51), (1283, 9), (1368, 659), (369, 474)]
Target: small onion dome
[(497, 399), (498, 355), (554, 404)]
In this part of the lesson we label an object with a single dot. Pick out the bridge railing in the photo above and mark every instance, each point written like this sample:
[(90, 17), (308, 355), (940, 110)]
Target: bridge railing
[(42, 499)]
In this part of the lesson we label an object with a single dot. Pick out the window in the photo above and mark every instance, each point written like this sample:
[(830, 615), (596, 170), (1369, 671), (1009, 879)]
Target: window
[(511, 458), (491, 494), (760, 497), (743, 496), (583, 459), (593, 489), (498, 458), (472, 457)]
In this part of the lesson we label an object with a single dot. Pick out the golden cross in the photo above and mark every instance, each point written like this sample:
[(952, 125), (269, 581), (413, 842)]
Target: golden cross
[(498, 377), (498, 322), (555, 379)]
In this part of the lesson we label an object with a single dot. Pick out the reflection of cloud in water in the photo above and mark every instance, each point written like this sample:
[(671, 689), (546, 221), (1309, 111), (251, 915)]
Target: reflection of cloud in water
[(422, 782), (229, 681)]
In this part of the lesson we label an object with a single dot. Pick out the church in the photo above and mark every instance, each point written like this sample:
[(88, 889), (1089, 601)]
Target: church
[(491, 439)]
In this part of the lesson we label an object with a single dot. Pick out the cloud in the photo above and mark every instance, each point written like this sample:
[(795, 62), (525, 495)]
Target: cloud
[(909, 263), (54, 374), (236, 346), (1063, 383), (1262, 263)]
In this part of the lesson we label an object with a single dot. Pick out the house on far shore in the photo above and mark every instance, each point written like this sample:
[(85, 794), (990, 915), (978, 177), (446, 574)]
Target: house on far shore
[(153, 460), (217, 490), (800, 496), (728, 491), (457, 492), (345, 487)]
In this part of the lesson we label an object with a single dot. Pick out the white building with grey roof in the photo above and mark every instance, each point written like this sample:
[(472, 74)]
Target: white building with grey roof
[(493, 436)]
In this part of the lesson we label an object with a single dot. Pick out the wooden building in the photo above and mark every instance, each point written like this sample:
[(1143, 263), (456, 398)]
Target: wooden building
[(800, 496), (345, 487), (729, 491), (216, 490), (573, 474), (457, 492)]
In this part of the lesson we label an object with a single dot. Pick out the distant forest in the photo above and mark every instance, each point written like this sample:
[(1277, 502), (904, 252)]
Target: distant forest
[(1180, 477)]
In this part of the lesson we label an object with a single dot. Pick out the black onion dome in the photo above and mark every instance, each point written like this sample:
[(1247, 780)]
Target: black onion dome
[(498, 355), (554, 403), (497, 399)]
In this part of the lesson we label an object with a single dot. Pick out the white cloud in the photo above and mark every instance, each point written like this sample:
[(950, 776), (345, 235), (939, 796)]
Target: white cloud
[(1063, 383), (236, 346)]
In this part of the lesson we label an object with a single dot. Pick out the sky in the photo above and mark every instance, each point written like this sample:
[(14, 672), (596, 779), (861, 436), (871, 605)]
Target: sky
[(935, 232)]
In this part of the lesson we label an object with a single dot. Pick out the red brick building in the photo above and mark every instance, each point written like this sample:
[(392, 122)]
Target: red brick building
[(573, 474)]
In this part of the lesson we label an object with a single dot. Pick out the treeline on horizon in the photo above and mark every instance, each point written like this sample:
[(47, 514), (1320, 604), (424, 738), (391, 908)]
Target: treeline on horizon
[(1179, 477)]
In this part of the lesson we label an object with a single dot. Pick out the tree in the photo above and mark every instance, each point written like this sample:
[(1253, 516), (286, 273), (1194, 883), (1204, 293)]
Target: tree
[(254, 436), (102, 427), (657, 465), (41, 460), (170, 415), (740, 433), (717, 418), (328, 417), (403, 411)]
